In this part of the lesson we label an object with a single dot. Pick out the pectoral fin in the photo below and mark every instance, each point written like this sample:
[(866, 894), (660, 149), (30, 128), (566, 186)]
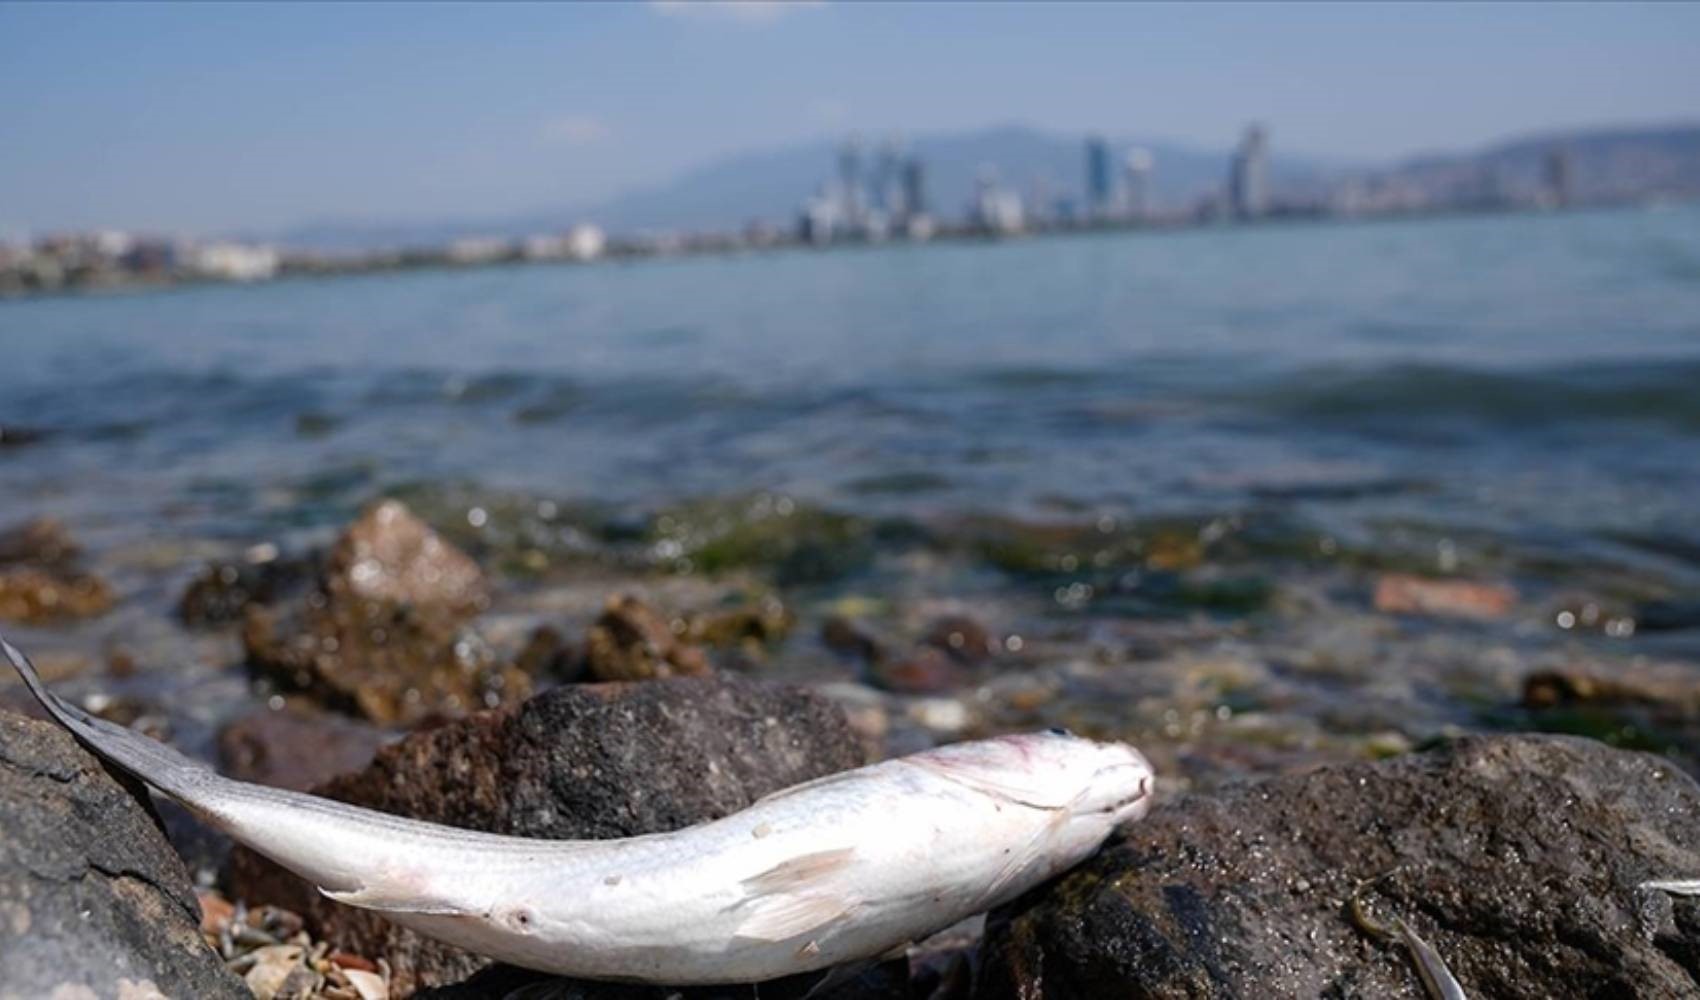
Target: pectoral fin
[(795, 897), (394, 900)]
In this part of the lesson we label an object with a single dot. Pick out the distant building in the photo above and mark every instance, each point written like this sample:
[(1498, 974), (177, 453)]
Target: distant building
[(850, 181), (1248, 183), (1136, 186), (914, 188), (887, 182), (586, 242), (996, 210), (1098, 179), (1560, 177), (235, 262)]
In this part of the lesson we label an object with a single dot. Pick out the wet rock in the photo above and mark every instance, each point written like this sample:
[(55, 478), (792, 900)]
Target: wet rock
[(1403, 594), (963, 638), (1517, 858), (294, 747), (35, 597), (42, 542), (92, 900), (223, 592), (598, 761), (630, 641), (393, 664), (758, 623), (548, 653), (389, 556), (846, 637), (926, 671)]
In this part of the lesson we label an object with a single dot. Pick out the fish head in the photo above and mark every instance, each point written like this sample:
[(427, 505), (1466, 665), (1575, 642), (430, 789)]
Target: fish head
[(1093, 784)]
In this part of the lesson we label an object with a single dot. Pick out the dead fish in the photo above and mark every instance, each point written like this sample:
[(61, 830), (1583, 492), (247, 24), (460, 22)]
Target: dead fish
[(835, 870)]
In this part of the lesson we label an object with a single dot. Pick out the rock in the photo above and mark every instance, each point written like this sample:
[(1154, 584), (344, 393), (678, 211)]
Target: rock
[(846, 637), (390, 556), (927, 671), (965, 639), (1403, 594), (40, 583), (631, 642), (223, 592), (1516, 858), (390, 663), (92, 900), (758, 623), (547, 653), (295, 748), (597, 761), (34, 597), (42, 542), (15, 436)]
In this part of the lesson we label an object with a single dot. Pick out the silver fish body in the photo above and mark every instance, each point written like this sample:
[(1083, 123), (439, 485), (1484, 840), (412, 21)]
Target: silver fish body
[(836, 870)]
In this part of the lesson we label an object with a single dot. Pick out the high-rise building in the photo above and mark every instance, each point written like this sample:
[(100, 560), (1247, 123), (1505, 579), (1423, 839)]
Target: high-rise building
[(1098, 178), (850, 180), (914, 188), (1248, 183), (1136, 187), (887, 189)]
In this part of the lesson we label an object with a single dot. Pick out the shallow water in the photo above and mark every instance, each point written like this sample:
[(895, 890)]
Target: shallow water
[(1509, 398)]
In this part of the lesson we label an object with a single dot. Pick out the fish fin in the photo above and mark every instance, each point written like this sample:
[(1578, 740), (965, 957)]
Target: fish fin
[(788, 901), (393, 900), (786, 915)]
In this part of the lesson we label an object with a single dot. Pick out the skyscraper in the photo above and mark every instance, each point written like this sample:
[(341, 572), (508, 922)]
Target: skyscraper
[(887, 189), (1136, 188), (1248, 183), (914, 188), (1097, 176), (850, 180)]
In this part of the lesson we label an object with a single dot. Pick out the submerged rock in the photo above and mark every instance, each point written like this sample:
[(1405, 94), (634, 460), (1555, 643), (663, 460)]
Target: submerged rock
[(1518, 859), (630, 641), (295, 748), (16, 436), (1404, 594), (39, 581), (93, 902), (588, 761)]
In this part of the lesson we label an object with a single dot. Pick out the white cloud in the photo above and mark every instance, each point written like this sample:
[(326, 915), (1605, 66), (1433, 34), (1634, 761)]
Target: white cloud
[(746, 11), (575, 130)]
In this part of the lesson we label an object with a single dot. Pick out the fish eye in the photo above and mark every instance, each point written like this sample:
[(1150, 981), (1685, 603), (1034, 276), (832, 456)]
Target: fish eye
[(1059, 731)]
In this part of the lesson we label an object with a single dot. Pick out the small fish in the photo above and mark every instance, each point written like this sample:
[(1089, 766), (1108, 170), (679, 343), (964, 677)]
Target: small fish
[(836, 870)]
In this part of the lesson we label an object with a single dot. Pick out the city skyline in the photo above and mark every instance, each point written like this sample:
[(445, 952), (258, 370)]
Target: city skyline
[(219, 119)]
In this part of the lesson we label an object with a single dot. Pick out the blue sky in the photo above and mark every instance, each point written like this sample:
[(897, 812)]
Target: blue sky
[(203, 118)]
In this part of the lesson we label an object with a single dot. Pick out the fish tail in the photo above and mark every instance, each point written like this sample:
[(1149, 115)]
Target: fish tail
[(147, 759)]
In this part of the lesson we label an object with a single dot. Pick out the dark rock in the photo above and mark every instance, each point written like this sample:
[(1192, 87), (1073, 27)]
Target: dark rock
[(965, 639), (1516, 858), (588, 761), (41, 542), (757, 623), (223, 592), (14, 436), (389, 556), (547, 653), (846, 637), (630, 641), (885, 981), (393, 664), (295, 748), (92, 900)]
